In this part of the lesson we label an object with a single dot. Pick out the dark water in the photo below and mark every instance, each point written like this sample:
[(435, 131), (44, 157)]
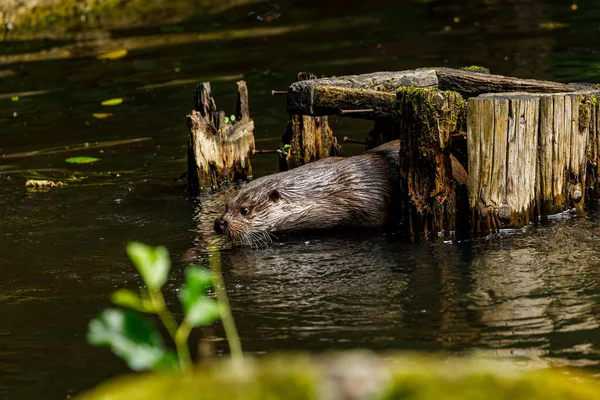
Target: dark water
[(533, 292)]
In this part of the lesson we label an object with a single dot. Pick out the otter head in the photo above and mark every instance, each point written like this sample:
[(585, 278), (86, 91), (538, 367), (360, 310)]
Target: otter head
[(322, 194), (251, 215), (284, 201)]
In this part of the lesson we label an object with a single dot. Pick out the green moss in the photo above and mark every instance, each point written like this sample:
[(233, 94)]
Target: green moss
[(297, 377), (584, 115), (475, 68), (429, 111)]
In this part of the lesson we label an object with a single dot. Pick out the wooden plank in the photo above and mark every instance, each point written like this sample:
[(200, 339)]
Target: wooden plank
[(326, 96), (579, 139), (546, 140), (302, 99), (469, 83), (486, 147), (512, 162), (500, 146), (328, 100), (473, 151), (531, 147)]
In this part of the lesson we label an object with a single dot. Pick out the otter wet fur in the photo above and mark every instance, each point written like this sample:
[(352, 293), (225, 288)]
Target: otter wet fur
[(338, 191)]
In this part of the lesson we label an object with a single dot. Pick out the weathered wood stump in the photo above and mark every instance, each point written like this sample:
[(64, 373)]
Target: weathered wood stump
[(529, 155), (219, 147), (430, 117), (307, 138), (531, 147)]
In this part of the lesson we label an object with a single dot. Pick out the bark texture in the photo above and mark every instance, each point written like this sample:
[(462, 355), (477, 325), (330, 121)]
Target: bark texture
[(530, 155), (429, 119), (307, 138), (219, 149)]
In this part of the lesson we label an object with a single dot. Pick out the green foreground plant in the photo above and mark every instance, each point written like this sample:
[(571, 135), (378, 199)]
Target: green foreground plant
[(136, 341)]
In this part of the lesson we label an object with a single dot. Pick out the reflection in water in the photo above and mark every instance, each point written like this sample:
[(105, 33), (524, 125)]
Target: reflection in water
[(546, 293), (532, 292)]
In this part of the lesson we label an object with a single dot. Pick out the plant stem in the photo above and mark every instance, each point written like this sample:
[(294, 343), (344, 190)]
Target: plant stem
[(181, 344), (178, 334), (233, 339), (158, 302)]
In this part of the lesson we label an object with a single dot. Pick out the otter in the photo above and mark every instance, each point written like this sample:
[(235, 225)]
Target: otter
[(353, 191), (333, 192)]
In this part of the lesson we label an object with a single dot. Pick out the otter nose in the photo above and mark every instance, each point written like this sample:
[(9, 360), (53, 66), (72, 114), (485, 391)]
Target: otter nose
[(220, 225)]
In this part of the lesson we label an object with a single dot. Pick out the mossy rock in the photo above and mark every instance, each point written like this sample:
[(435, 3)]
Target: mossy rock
[(356, 375)]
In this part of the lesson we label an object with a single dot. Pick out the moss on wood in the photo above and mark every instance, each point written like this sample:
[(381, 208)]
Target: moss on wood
[(433, 113)]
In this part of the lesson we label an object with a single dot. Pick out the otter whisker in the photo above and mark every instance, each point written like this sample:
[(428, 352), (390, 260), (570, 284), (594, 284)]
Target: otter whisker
[(257, 239), (264, 239), (251, 239), (269, 236)]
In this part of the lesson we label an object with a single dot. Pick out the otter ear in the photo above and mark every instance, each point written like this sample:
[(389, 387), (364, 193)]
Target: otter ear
[(274, 195)]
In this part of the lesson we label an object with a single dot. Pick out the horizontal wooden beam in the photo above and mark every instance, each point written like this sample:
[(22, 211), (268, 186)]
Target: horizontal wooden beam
[(315, 97), (329, 96), (369, 104), (469, 83)]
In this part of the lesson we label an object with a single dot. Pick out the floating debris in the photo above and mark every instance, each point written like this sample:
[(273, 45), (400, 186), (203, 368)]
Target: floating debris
[(112, 102), (81, 160), (36, 183), (552, 25), (113, 55), (101, 115)]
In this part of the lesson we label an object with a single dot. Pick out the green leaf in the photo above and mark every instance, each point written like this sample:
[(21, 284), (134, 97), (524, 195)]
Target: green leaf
[(14, 98), (112, 102), (232, 118), (152, 263), (197, 282), (169, 362), (203, 312), (81, 160), (226, 120), (129, 299), (113, 55), (131, 338), (198, 309)]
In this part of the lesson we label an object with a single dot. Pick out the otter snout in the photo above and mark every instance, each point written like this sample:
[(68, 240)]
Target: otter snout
[(220, 225)]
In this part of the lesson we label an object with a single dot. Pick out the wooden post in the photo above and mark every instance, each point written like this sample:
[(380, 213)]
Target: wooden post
[(309, 138), (218, 148), (429, 118), (532, 147), (592, 120), (529, 155)]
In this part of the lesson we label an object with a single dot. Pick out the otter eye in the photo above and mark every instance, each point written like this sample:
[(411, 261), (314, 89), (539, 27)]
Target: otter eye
[(274, 195), (244, 211)]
